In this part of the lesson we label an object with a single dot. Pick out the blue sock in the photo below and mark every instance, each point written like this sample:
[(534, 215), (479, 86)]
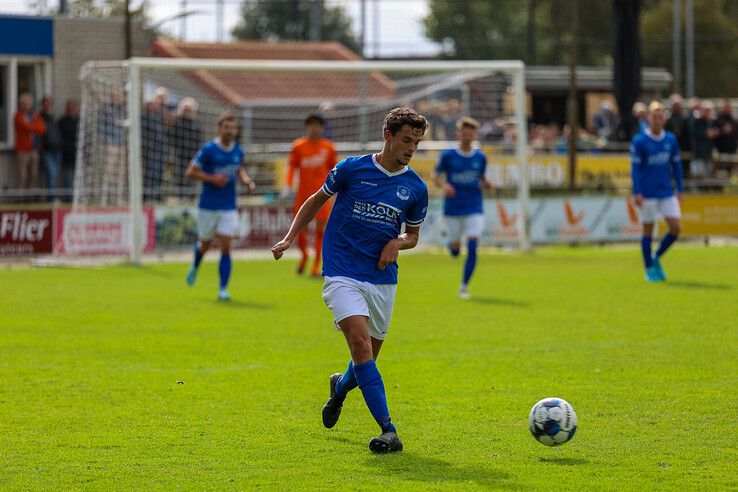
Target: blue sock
[(372, 387), (666, 241), (454, 251), (471, 260), (224, 268), (347, 381), (198, 255), (646, 251)]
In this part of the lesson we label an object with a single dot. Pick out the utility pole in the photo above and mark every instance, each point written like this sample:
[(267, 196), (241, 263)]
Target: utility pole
[(127, 29), (689, 40), (531, 32), (183, 20), (316, 19), (676, 46), (219, 20), (375, 33), (362, 29), (573, 109)]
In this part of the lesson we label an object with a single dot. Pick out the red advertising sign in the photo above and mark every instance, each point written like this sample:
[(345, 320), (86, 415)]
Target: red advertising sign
[(262, 226), (100, 231), (25, 232)]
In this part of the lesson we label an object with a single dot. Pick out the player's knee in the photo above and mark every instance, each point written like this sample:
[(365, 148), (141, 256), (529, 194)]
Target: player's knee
[(675, 229), (361, 348)]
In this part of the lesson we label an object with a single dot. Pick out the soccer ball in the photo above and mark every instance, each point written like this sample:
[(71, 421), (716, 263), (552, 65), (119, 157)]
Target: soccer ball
[(552, 421)]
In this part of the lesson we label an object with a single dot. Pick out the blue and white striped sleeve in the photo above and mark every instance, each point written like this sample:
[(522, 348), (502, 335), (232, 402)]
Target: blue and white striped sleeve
[(416, 214), (337, 179)]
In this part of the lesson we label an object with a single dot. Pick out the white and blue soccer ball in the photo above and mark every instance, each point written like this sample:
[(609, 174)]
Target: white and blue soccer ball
[(552, 421)]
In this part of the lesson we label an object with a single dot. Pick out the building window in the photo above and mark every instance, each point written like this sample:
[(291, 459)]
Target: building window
[(4, 103), (27, 81), (19, 75)]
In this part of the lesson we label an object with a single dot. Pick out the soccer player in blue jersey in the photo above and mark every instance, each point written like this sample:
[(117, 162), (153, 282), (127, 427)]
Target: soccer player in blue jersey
[(655, 162), (217, 164), (376, 195), (460, 174)]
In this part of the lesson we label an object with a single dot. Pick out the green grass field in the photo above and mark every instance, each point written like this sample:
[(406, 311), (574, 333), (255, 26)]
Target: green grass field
[(123, 378)]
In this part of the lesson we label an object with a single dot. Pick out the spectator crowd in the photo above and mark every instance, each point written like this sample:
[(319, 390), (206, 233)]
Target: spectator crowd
[(45, 148)]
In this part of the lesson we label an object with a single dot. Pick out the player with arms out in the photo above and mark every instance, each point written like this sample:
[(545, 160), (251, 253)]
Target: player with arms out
[(217, 164), (655, 161), (376, 194), (460, 174), (312, 156)]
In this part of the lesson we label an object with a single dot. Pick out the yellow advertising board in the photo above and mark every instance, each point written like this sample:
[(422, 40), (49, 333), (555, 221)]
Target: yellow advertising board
[(550, 170), (704, 215)]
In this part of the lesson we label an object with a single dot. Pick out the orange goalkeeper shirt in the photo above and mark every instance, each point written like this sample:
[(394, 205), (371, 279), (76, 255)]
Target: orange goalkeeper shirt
[(313, 159)]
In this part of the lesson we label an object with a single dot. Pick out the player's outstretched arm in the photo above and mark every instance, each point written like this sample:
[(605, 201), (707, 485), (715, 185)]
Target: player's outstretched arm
[(246, 180), (304, 216), (391, 251), (194, 172)]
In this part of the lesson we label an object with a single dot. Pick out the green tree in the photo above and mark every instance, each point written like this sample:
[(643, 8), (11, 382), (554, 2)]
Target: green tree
[(111, 8), (481, 29), (716, 44), (291, 20)]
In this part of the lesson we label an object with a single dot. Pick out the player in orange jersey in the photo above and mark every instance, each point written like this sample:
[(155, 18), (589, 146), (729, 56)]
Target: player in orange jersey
[(312, 156)]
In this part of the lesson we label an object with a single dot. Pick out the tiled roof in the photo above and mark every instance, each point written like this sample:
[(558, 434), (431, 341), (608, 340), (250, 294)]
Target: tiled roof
[(243, 87)]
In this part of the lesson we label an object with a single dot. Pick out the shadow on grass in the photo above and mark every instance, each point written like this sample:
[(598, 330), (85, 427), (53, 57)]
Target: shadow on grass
[(698, 285), (498, 301), (564, 461), (235, 304), (413, 466)]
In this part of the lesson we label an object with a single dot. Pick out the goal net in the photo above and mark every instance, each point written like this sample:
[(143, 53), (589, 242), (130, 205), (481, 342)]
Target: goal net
[(143, 120)]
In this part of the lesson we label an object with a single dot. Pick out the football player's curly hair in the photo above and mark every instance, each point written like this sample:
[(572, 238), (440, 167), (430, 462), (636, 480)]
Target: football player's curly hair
[(399, 117)]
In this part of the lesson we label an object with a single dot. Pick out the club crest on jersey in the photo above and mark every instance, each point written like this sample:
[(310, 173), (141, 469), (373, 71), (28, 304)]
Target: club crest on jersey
[(403, 192)]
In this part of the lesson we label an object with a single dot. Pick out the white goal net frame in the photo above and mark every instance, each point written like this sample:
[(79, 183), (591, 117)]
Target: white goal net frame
[(135, 69)]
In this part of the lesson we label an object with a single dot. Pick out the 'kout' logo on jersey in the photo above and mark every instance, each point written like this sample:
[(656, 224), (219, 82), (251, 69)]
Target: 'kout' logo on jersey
[(378, 213), (403, 193)]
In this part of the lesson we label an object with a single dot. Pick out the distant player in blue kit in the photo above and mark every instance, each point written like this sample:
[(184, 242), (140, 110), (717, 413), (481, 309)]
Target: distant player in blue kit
[(217, 164), (460, 174), (376, 195), (655, 162)]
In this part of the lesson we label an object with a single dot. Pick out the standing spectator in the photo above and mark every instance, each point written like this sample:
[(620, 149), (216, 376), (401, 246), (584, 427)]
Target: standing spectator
[(675, 123), (703, 134), (68, 127), (726, 141), (604, 121), (51, 148), (693, 111), (154, 144), (111, 130), (640, 111), (29, 128), (186, 140)]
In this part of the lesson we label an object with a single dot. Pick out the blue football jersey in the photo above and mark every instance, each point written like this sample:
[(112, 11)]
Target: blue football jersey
[(371, 206), (465, 173), (213, 158), (654, 162)]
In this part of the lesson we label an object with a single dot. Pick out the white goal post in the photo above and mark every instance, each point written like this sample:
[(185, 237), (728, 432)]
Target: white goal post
[(428, 76)]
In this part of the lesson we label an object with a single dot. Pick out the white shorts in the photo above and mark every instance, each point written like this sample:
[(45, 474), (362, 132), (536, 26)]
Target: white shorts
[(216, 222), (653, 208), (468, 225), (348, 297)]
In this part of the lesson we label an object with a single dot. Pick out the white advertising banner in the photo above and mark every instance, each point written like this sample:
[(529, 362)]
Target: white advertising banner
[(553, 220)]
